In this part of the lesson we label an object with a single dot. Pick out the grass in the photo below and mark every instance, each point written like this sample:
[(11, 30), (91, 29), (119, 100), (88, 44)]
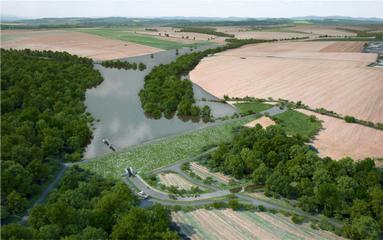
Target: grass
[(125, 35), (294, 122), (149, 156), (252, 106)]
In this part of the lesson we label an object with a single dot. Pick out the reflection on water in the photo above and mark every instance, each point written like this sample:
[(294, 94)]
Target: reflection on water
[(116, 104)]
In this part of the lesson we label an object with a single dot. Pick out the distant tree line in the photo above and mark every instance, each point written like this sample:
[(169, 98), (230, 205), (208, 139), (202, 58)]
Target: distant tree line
[(43, 119), (210, 31), (347, 190), (86, 206), (123, 65), (166, 92)]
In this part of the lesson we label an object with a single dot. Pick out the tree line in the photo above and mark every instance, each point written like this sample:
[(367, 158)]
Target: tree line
[(123, 65), (347, 190), (165, 92), (210, 31), (86, 206), (43, 119)]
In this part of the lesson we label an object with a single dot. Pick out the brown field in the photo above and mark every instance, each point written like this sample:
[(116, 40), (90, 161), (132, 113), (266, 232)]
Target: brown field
[(173, 179), (268, 35), (339, 139), (298, 71), (263, 121), (203, 172), (183, 37), (322, 30), (229, 224), (344, 47), (82, 44)]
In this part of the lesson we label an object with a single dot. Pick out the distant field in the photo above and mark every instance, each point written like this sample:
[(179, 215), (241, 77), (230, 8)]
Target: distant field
[(294, 122), (229, 224), (82, 44), (147, 157), (130, 36)]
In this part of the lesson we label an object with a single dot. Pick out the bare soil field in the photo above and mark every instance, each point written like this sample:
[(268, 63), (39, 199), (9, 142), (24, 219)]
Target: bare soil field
[(339, 139), (183, 37), (203, 172), (297, 71), (229, 224), (263, 121), (268, 35), (322, 30), (173, 179), (344, 47), (82, 44)]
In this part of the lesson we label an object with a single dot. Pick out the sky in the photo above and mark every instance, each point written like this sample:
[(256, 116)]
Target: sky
[(191, 8)]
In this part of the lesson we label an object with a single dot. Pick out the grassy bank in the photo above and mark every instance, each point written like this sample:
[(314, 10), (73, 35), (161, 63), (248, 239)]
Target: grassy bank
[(149, 156), (124, 35), (252, 107)]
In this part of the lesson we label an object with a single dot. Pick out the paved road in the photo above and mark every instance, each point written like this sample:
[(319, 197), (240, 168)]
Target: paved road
[(47, 190)]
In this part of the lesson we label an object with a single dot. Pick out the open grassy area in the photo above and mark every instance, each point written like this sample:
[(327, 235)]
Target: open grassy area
[(294, 122), (164, 151), (125, 35), (252, 106)]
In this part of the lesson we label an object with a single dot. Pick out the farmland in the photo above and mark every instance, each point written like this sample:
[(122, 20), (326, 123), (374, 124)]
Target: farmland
[(338, 81), (139, 38), (339, 139), (229, 224), (82, 44), (204, 172), (173, 179), (263, 121), (152, 155), (252, 106)]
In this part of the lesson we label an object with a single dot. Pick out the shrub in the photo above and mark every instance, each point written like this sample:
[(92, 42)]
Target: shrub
[(297, 219)]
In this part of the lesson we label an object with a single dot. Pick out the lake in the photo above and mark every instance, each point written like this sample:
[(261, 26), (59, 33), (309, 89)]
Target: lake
[(116, 106)]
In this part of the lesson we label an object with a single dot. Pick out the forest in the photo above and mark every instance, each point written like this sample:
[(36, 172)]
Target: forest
[(210, 31), (123, 65), (166, 92), (43, 119), (85, 206), (349, 191)]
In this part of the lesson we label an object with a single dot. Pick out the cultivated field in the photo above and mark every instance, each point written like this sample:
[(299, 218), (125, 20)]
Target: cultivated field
[(173, 179), (183, 37), (229, 224), (82, 44), (339, 139), (298, 71), (263, 121), (322, 30), (148, 39), (203, 172)]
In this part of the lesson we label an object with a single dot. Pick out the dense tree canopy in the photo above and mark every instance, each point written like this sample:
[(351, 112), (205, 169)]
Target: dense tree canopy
[(43, 118), (351, 191), (89, 207)]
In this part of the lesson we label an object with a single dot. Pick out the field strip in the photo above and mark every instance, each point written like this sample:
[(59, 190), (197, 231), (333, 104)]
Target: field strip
[(269, 226), (221, 230), (243, 228), (277, 221), (203, 172), (189, 218), (186, 229)]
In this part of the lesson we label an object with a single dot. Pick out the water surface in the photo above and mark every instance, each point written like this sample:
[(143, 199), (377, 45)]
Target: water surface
[(115, 103)]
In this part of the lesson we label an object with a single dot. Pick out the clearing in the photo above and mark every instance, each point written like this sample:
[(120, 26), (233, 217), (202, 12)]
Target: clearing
[(256, 107), (297, 71), (81, 44), (263, 121), (229, 224), (339, 139), (173, 179)]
